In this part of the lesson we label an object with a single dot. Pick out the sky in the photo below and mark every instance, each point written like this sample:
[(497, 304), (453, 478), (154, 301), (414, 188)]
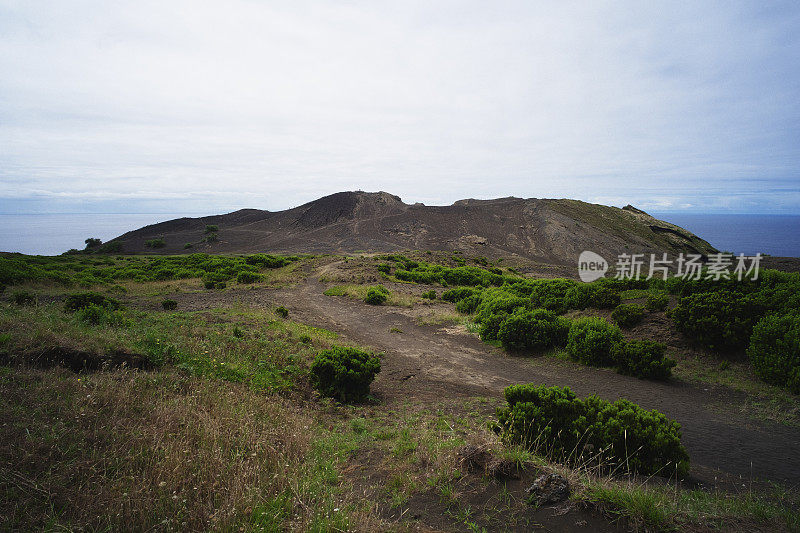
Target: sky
[(207, 107)]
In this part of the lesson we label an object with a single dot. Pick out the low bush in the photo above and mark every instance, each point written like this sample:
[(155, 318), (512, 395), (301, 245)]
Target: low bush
[(85, 299), (774, 350), (282, 312), (110, 248), (429, 295), (719, 321), (267, 261), (643, 359), (169, 305), (188, 245), (155, 243), (211, 228), (657, 301), (249, 277), (23, 298), (456, 295), (628, 315), (469, 304), (376, 295), (596, 295), (619, 434), (490, 325), (538, 329), (591, 340), (385, 268), (95, 315), (344, 373)]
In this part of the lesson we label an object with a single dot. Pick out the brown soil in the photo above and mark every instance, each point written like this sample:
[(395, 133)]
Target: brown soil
[(431, 363)]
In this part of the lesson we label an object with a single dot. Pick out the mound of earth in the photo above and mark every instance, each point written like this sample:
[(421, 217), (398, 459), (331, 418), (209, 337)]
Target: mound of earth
[(547, 230)]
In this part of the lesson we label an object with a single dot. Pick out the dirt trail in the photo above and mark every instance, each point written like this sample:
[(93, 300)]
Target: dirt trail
[(427, 363)]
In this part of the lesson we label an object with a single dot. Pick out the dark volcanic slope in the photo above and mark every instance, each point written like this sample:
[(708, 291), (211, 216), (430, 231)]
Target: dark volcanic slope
[(546, 230)]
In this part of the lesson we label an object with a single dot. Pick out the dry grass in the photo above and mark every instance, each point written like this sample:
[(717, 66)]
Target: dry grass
[(139, 451)]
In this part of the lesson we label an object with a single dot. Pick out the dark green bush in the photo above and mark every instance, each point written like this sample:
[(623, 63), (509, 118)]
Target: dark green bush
[(92, 242), (430, 295), (538, 329), (155, 243), (114, 247), (169, 305), (719, 321), (469, 304), (458, 294), (282, 312), (643, 359), (591, 340), (774, 350), (490, 325), (344, 373), (618, 435), (628, 315), (249, 277), (211, 228), (267, 261), (85, 299), (23, 298), (386, 268), (211, 237), (657, 301), (188, 245), (376, 295)]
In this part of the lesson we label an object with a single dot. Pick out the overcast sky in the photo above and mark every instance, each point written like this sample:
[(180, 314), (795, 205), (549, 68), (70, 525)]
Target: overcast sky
[(190, 106)]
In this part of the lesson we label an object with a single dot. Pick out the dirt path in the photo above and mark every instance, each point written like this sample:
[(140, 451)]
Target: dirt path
[(427, 363)]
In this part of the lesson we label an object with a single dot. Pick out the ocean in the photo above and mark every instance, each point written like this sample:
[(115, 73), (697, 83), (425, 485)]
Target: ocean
[(777, 235), (52, 234)]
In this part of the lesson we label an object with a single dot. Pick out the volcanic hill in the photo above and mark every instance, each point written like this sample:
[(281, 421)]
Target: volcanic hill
[(546, 230)]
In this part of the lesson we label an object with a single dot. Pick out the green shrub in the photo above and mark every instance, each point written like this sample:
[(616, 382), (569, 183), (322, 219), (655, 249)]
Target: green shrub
[(490, 325), (92, 242), (110, 248), (95, 315), (774, 350), (344, 373), (719, 321), (526, 330), (456, 295), (386, 268), (155, 243), (23, 297), (591, 340), (430, 295), (85, 299), (643, 359), (597, 295), (619, 434), (376, 295), (657, 301), (169, 305), (249, 277), (211, 228), (469, 304), (211, 237), (267, 261), (282, 312), (628, 315), (188, 245)]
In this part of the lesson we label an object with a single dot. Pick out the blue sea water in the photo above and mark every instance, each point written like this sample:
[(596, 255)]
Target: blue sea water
[(777, 235), (51, 234)]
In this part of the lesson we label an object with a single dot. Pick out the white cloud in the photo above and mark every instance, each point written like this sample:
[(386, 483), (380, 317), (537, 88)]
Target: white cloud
[(267, 104)]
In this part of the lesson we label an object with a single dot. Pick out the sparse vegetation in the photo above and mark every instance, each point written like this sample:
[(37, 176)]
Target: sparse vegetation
[(169, 305), (155, 243)]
